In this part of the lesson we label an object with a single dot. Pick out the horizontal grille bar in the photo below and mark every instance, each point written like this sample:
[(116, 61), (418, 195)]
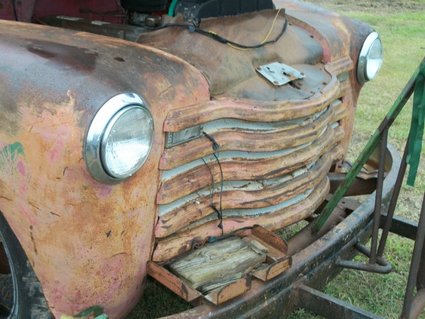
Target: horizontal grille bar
[(181, 242), (199, 177), (242, 200)]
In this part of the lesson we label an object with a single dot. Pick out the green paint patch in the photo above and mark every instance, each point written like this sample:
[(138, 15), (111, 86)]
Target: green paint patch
[(11, 152)]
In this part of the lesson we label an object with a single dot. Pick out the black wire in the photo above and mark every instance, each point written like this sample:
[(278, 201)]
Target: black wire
[(221, 193), (14, 9), (214, 36), (212, 205), (238, 45), (215, 146)]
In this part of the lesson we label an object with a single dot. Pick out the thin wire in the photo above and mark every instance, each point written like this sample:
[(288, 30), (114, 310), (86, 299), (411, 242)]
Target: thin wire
[(215, 146), (221, 191), (232, 44), (265, 38), (272, 27), (212, 205), (236, 48)]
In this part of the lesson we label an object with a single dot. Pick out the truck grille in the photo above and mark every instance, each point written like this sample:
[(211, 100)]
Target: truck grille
[(270, 168)]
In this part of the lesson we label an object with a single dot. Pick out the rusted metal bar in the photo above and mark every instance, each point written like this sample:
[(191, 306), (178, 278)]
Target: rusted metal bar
[(378, 197), (369, 148), (381, 266), (408, 311), (393, 202), (305, 237), (401, 226), (328, 306)]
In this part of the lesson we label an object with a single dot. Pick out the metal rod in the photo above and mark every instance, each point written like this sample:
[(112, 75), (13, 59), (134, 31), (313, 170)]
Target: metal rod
[(378, 197), (382, 266), (414, 265), (393, 202)]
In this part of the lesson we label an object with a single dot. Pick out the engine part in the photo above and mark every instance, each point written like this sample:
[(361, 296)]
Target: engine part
[(194, 10), (145, 5)]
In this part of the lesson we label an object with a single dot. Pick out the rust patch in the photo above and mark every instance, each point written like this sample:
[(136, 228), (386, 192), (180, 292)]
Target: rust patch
[(33, 241), (63, 55)]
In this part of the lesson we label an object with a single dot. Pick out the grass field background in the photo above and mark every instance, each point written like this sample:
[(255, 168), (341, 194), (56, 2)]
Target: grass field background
[(401, 25)]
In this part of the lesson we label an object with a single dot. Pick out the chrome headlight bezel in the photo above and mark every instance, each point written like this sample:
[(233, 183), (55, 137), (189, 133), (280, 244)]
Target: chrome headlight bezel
[(362, 64), (101, 124)]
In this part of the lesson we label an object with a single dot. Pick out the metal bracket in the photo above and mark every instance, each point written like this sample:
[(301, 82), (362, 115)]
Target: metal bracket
[(382, 266), (279, 74)]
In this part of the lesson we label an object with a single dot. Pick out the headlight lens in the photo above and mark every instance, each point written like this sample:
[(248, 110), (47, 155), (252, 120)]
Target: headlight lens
[(127, 141), (370, 58), (119, 138)]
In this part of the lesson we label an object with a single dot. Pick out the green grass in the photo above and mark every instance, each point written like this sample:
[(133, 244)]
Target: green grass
[(401, 25), (157, 301)]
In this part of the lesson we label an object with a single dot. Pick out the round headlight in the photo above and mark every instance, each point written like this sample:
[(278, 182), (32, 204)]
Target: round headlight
[(119, 138), (370, 58)]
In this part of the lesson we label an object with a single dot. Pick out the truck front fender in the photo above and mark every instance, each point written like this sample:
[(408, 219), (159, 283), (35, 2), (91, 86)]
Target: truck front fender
[(87, 242)]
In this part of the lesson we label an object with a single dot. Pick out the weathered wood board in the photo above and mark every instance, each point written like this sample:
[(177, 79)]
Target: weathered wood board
[(218, 264)]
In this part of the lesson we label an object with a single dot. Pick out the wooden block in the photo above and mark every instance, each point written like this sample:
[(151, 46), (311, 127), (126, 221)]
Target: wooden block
[(270, 238), (176, 285), (268, 272), (230, 291)]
